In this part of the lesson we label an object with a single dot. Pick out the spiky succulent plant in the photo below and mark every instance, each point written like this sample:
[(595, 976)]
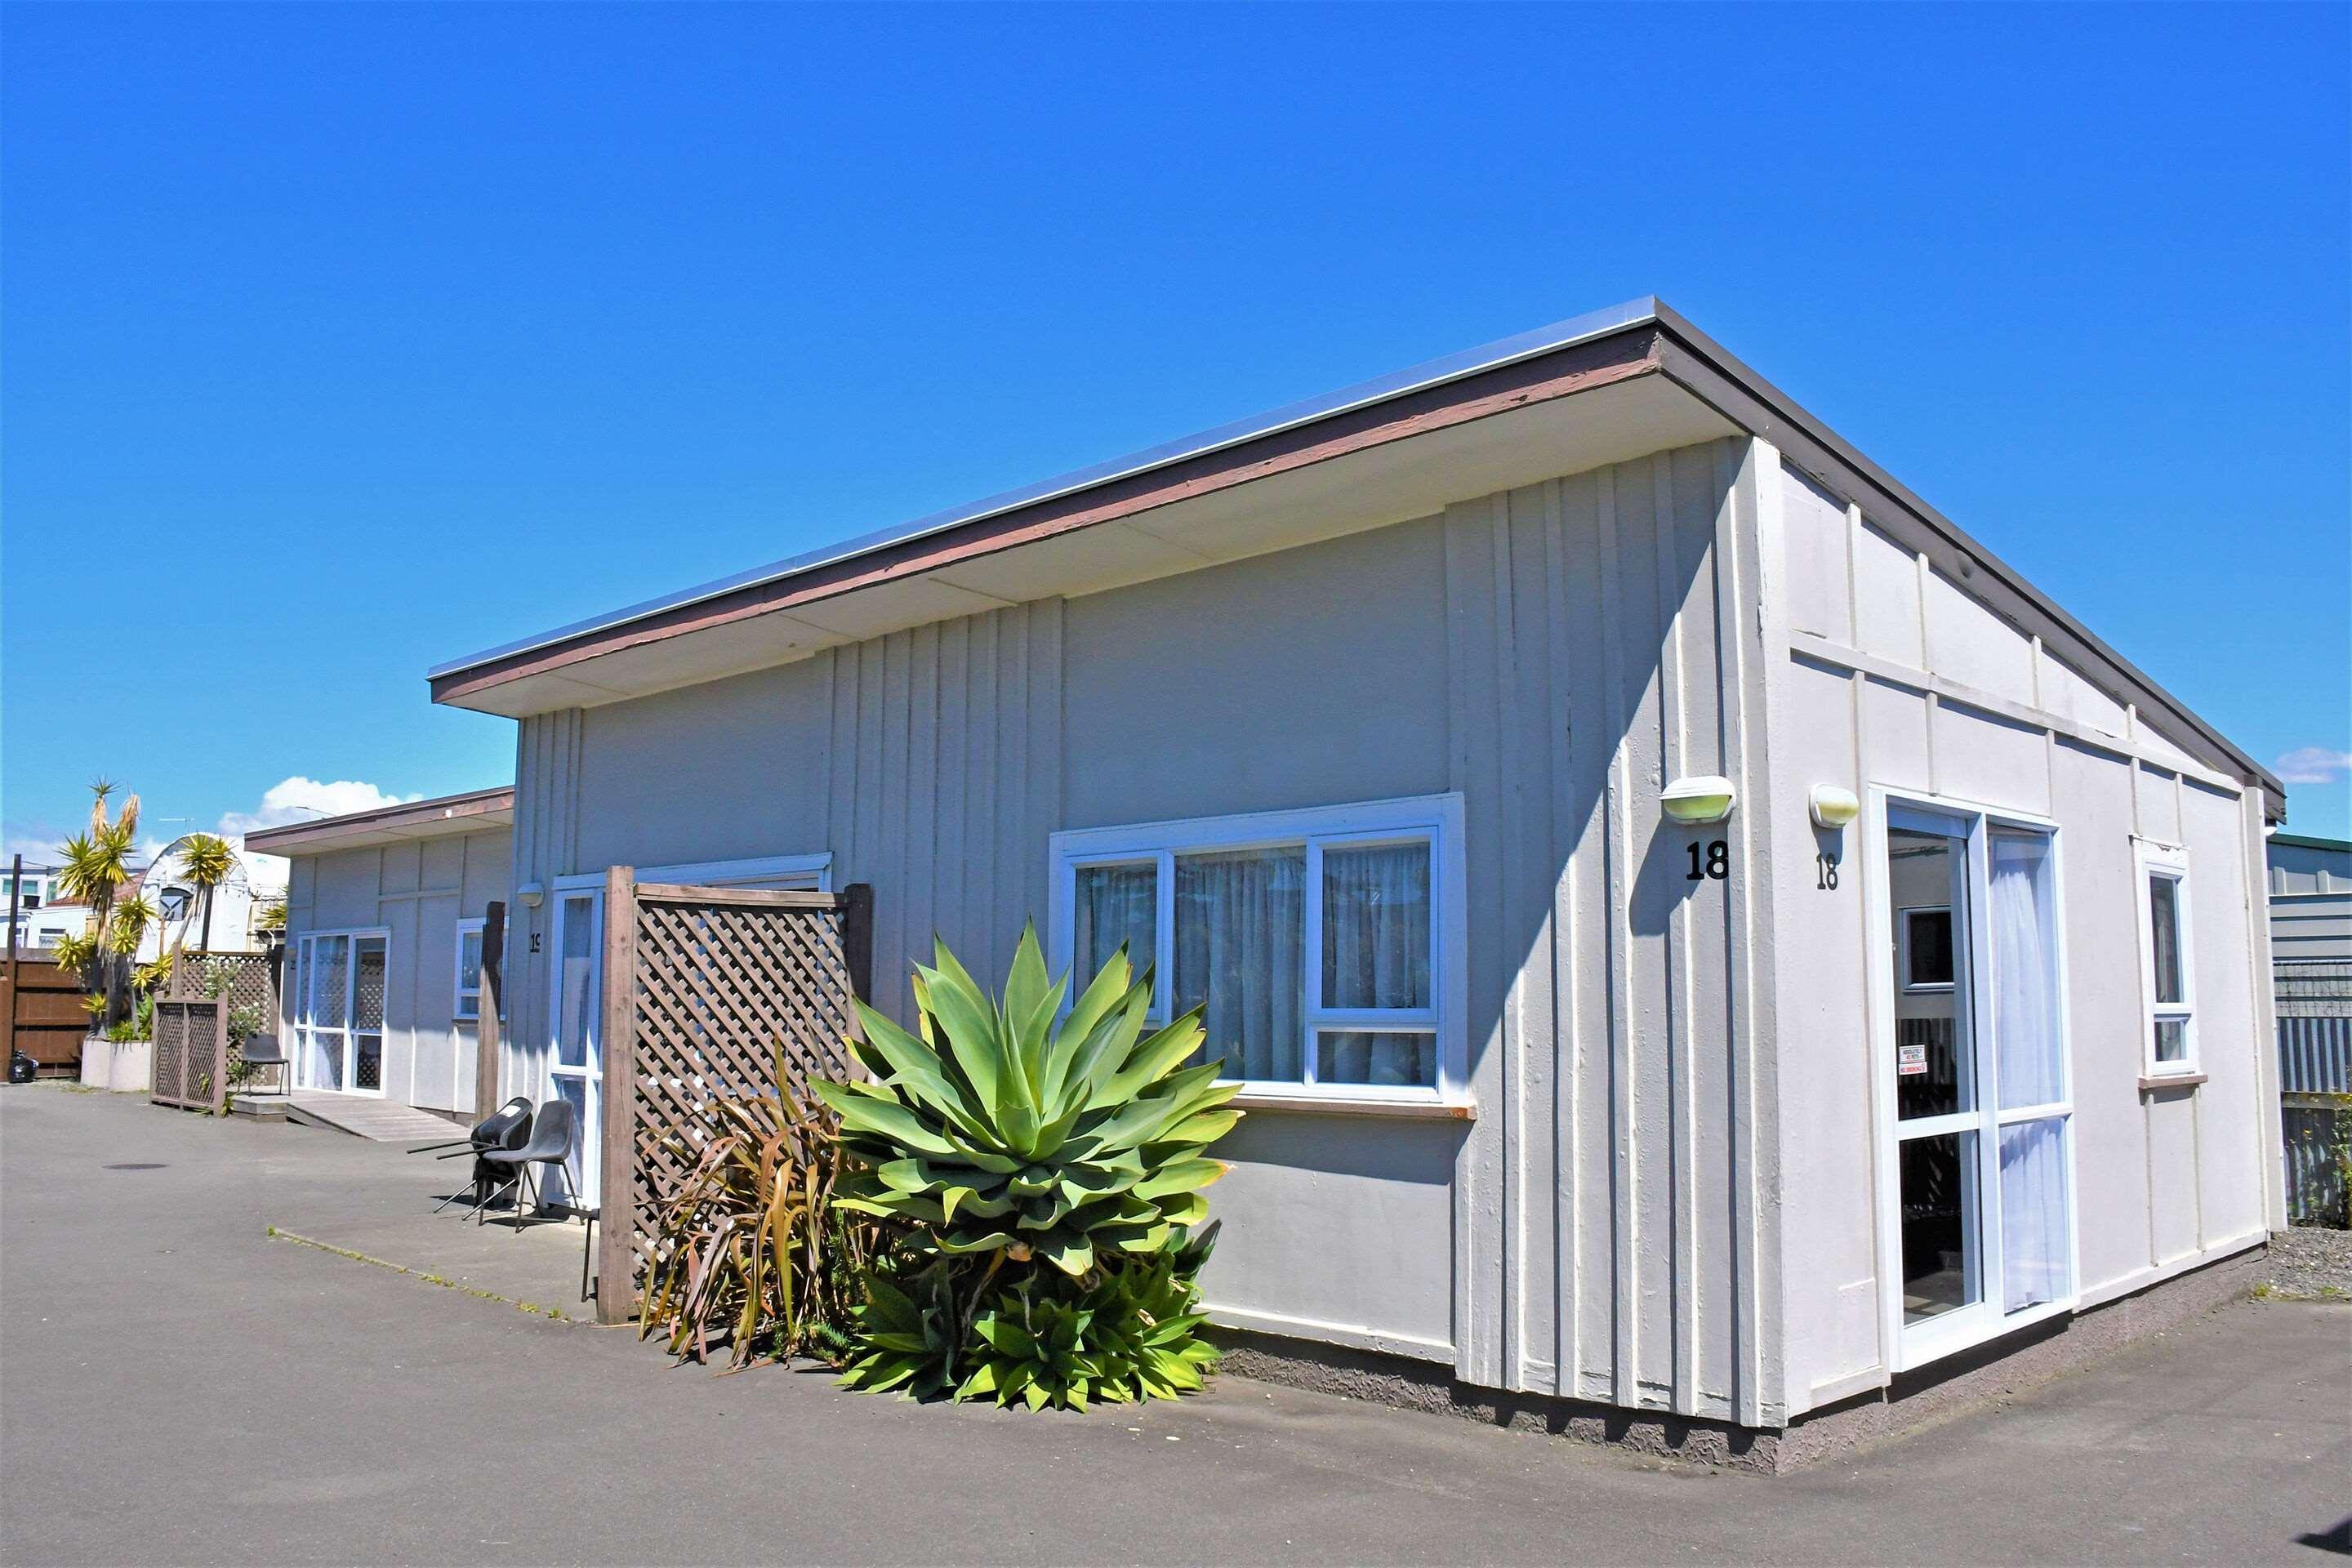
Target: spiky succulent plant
[(995, 1128)]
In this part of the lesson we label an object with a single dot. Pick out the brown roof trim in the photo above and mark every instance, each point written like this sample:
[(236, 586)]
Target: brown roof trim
[(1578, 368), (448, 812)]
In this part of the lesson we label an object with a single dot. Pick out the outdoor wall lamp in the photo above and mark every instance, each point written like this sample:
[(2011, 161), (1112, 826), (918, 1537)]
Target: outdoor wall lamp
[(530, 894), (1698, 800), (1833, 807)]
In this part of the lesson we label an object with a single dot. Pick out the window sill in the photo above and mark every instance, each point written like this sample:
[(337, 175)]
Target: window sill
[(1336, 1105), (2163, 1081)]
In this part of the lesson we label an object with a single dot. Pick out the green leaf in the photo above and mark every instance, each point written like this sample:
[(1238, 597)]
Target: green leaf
[(1181, 1176)]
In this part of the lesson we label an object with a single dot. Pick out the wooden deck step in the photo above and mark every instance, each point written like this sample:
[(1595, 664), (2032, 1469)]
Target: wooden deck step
[(383, 1120)]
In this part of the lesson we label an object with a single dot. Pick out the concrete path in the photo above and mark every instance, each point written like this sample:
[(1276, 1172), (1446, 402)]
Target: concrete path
[(177, 1386)]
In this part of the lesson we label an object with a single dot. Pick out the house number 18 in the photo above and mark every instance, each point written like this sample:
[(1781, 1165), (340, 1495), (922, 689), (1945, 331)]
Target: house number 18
[(1714, 860)]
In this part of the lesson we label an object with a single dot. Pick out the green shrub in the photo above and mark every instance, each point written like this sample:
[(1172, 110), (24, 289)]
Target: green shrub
[(1040, 1183), (747, 1250), (998, 1130)]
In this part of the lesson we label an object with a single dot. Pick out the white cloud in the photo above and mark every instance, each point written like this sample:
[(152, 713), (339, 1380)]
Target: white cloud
[(36, 841), (298, 799), (2311, 766)]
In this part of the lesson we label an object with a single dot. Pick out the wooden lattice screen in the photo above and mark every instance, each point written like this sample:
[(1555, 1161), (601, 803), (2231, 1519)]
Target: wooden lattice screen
[(706, 991), (191, 1043)]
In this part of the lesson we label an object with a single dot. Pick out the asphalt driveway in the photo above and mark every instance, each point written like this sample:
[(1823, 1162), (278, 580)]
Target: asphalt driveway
[(177, 1386)]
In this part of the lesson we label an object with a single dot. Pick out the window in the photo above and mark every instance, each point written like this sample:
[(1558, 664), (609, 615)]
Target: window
[(1926, 939), (1977, 1195), (1325, 945), (336, 1008), (468, 1004), (2167, 979)]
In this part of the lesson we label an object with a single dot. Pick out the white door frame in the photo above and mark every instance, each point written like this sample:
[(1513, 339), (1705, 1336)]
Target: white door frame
[(305, 1029), (1971, 938)]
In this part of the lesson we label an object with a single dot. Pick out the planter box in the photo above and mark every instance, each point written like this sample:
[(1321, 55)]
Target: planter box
[(122, 1065)]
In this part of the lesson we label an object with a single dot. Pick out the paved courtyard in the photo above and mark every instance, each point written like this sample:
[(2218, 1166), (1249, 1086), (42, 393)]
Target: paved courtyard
[(177, 1386)]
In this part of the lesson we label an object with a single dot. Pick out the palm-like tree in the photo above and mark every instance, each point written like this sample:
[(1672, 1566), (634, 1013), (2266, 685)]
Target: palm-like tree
[(96, 865), (132, 916), (207, 862)]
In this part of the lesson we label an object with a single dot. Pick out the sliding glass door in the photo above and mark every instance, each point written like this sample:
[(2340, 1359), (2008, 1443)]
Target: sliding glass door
[(337, 1008), (1979, 1197)]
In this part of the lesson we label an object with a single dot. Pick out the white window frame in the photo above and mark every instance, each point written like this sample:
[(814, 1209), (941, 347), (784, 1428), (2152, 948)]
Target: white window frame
[(2152, 859), (300, 1022), (1435, 819), (1962, 1328), (465, 1005), (1902, 948)]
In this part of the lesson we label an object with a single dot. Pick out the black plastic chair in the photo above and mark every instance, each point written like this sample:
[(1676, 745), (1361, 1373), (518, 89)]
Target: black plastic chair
[(266, 1051), (507, 1127), (552, 1136)]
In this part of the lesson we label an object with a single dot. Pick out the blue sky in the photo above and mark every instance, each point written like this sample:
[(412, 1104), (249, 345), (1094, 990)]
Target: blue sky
[(341, 340)]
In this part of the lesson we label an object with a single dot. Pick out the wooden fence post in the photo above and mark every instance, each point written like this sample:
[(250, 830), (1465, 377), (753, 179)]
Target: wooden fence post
[(488, 1034), (617, 1200), (15, 889), (857, 940)]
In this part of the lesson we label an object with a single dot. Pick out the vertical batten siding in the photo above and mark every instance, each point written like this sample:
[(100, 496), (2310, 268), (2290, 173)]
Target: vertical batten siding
[(1937, 695), (546, 845), (1556, 652), (1598, 1241), (945, 782)]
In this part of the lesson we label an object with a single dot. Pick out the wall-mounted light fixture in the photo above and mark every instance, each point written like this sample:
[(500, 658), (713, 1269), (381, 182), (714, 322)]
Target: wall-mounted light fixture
[(530, 894), (1833, 807), (1698, 800)]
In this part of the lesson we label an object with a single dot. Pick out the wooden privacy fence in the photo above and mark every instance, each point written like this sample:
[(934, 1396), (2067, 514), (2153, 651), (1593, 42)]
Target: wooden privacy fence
[(708, 994), (191, 1046), (42, 1008)]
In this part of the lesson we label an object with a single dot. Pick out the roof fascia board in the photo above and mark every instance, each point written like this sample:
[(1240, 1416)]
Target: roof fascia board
[(1595, 359), (1307, 411), (1709, 373), (410, 819)]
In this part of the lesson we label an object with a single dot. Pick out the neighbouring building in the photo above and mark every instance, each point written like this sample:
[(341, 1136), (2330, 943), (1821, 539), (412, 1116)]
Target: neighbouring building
[(380, 983), (42, 914), (2311, 947), (255, 882), (1702, 937)]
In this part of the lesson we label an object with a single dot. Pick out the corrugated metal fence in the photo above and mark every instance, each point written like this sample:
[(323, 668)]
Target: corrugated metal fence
[(2314, 1046)]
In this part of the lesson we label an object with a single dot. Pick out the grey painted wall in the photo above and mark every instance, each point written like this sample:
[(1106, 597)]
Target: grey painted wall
[(1895, 677), (1552, 653), (418, 892), (1626, 1218)]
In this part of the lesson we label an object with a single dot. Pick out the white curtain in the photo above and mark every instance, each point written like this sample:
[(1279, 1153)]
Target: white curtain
[(2033, 1240), (1240, 919), (1376, 926), (1376, 955), (1115, 904), (2035, 1243), (2026, 1037)]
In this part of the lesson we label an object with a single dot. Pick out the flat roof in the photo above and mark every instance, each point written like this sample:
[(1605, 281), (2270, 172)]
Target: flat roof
[(2305, 841), (1640, 337), (1432, 373), (471, 811)]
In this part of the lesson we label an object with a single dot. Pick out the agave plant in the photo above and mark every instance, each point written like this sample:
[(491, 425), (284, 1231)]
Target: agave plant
[(997, 1128), (746, 1246), (1129, 1335)]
